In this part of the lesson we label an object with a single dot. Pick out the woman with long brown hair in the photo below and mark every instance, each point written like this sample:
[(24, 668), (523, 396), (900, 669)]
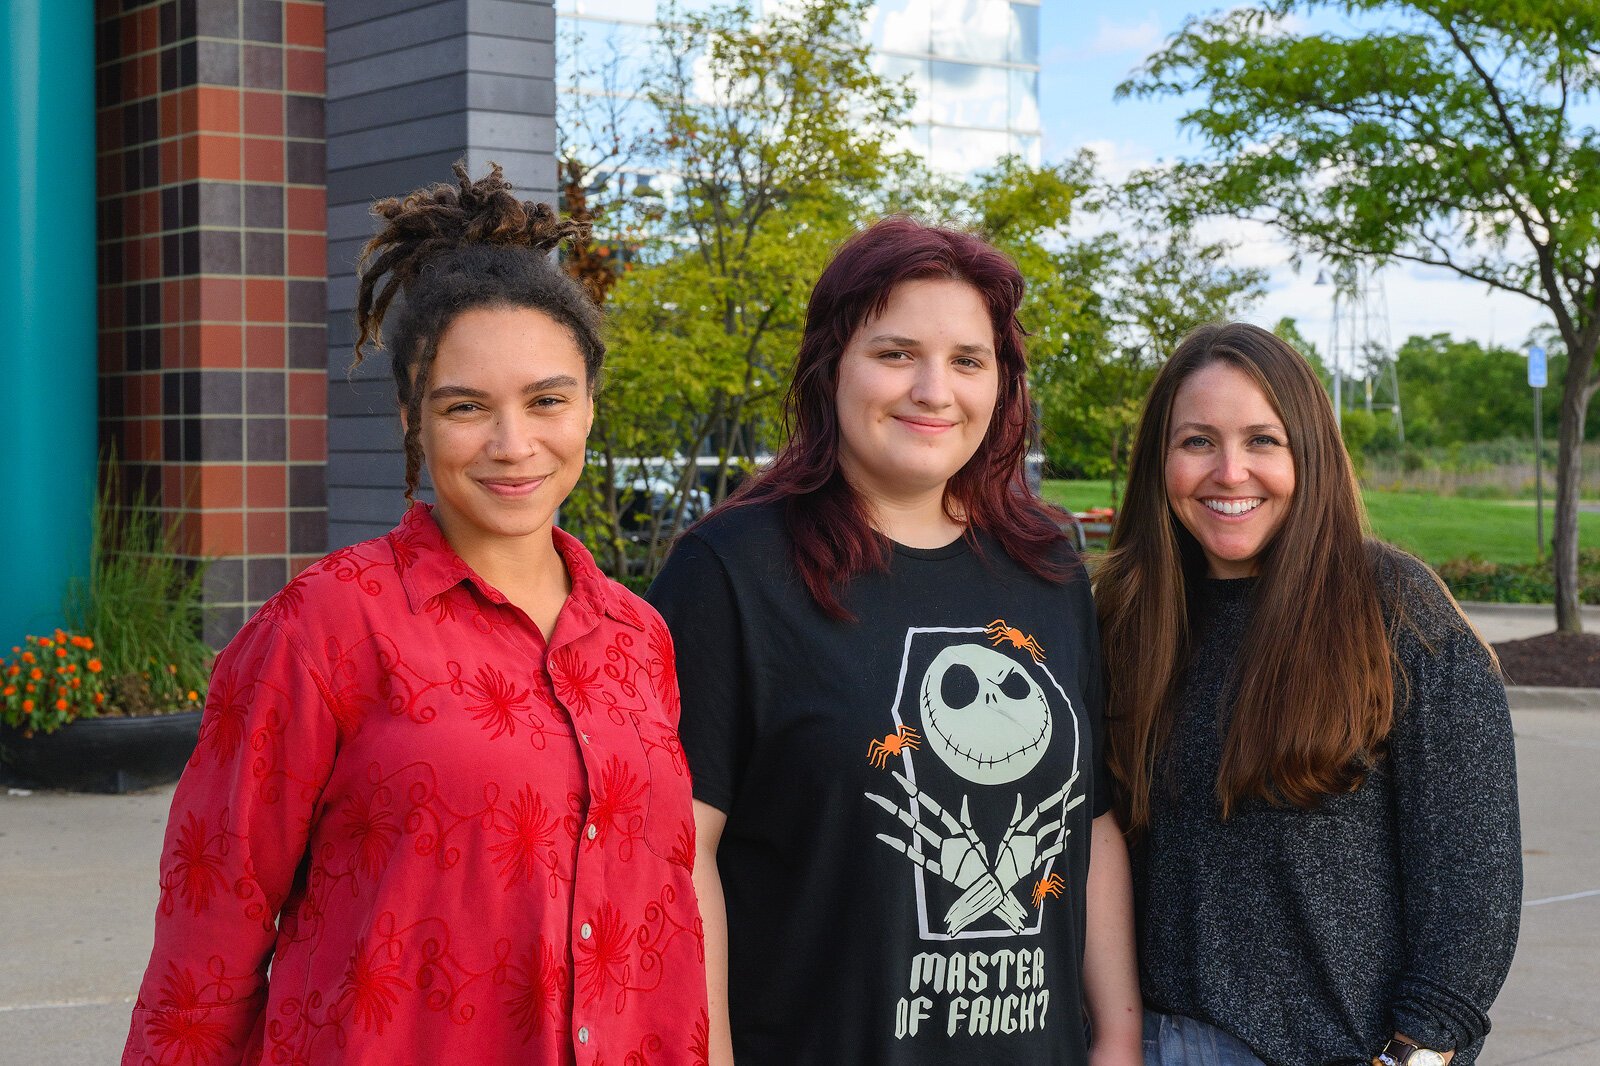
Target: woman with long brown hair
[(1311, 745), (891, 702)]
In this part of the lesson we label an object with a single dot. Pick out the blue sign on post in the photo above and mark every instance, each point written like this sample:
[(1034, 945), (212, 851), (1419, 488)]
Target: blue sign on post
[(1536, 367)]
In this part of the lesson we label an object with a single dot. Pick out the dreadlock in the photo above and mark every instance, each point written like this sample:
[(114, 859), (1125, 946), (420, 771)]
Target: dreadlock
[(448, 249)]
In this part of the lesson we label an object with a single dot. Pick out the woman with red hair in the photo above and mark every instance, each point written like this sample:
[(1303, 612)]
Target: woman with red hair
[(892, 696)]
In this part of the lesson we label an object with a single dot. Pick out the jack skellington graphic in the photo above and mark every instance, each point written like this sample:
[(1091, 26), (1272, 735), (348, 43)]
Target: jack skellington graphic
[(990, 716)]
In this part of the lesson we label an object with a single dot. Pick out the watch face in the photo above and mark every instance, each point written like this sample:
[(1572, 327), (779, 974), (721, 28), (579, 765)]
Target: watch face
[(1424, 1057)]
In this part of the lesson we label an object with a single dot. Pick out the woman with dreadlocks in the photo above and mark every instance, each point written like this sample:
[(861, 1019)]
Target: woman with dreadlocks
[(438, 787)]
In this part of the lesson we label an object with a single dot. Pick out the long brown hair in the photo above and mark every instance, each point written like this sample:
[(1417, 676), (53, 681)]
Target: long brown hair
[(1313, 690)]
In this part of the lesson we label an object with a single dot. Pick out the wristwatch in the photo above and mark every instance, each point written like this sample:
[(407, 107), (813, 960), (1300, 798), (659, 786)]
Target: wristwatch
[(1398, 1052)]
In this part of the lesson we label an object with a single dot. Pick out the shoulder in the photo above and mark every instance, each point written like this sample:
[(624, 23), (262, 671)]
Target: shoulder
[(629, 608), (330, 588), (1427, 629), (741, 529)]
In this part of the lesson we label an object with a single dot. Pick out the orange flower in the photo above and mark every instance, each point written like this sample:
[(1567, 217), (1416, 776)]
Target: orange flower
[(46, 642), (10, 690), (27, 657), (27, 705), (61, 653), (94, 666), (36, 673), (29, 686), (61, 705), (172, 668), (61, 636), (99, 698), (77, 682), (13, 670), (193, 696), (61, 669), (72, 668)]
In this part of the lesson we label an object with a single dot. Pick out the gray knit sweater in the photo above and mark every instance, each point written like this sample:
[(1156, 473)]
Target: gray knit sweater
[(1314, 935)]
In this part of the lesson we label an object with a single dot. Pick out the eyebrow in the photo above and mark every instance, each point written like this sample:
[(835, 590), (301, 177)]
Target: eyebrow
[(1259, 427), (555, 381), (911, 342)]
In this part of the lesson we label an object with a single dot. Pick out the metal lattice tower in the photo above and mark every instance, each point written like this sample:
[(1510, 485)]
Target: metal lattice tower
[(1359, 344)]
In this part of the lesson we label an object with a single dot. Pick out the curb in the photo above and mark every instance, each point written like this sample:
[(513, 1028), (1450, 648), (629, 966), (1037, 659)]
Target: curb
[(1531, 697)]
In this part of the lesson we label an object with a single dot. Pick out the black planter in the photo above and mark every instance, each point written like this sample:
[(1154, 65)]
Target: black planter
[(103, 754)]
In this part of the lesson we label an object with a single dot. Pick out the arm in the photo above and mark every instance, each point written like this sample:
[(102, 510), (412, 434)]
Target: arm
[(1457, 825), (708, 823), (1110, 976), (240, 820)]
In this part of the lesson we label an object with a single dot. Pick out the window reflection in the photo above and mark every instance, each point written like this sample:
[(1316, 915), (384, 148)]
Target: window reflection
[(633, 10), (899, 26), (1024, 33), (963, 94), (966, 151), (1026, 146), (971, 29), (1024, 99)]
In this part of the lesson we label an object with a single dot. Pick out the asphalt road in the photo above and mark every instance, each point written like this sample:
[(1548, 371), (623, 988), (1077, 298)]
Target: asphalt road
[(78, 888)]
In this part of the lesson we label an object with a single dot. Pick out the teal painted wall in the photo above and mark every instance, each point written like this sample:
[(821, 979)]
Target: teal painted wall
[(48, 423)]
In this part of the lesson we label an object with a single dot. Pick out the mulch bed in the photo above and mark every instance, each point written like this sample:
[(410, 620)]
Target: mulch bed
[(1570, 660)]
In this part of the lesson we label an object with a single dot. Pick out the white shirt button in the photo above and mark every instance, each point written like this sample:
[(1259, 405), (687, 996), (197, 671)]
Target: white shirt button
[(583, 1035), (591, 831), (586, 930)]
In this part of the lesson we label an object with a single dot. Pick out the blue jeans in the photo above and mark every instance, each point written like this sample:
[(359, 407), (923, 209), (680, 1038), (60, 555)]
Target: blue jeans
[(1173, 1040)]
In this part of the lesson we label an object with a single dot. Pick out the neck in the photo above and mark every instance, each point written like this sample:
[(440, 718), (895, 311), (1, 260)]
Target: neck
[(527, 570), (915, 520)]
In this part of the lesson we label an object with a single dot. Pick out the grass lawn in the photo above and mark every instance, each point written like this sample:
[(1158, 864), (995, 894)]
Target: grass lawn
[(1434, 528)]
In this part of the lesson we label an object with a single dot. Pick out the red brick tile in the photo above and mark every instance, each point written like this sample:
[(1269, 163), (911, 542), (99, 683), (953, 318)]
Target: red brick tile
[(221, 299), (266, 532), (172, 486), (263, 113), (219, 485), (264, 347), (308, 255), (218, 109), (150, 254), (217, 159), (149, 73), (307, 209), (188, 114), (308, 392), (220, 346), (302, 25), (304, 70), (263, 159), (266, 486), (147, 32), (221, 533), (308, 440), (149, 450), (150, 387), (263, 300)]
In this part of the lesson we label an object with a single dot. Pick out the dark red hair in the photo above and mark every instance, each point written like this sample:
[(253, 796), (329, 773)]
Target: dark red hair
[(833, 538)]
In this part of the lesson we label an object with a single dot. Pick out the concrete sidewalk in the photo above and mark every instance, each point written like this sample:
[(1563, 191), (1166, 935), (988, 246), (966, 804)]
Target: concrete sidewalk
[(78, 889)]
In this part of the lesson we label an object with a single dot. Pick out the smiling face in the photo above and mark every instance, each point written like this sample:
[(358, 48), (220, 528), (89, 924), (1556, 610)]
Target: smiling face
[(916, 389), (1229, 471), (505, 418)]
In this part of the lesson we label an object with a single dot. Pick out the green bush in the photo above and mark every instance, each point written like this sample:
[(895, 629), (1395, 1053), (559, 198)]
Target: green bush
[(1473, 578)]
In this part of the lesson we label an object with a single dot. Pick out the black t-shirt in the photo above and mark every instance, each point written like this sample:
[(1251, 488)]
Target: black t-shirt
[(908, 796)]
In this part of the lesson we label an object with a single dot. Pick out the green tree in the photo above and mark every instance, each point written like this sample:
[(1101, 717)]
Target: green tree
[(1288, 330), (774, 140), (1440, 132)]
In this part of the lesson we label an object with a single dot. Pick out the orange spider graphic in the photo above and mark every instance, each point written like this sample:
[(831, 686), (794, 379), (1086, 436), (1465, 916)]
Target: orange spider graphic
[(1047, 886), (1000, 633), (878, 751)]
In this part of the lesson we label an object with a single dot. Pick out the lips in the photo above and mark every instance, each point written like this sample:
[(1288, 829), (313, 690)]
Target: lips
[(923, 424), (512, 488)]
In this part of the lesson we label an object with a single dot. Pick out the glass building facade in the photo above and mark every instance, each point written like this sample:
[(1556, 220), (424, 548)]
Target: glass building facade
[(973, 65)]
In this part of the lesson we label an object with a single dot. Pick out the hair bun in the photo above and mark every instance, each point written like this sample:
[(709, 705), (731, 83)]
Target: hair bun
[(442, 218)]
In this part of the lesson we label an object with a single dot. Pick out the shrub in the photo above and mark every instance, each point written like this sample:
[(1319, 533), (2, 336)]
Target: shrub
[(1473, 578), (51, 680)]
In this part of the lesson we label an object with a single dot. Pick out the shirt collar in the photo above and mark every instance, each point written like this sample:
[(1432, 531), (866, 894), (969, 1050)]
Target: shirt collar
[(429, 567)]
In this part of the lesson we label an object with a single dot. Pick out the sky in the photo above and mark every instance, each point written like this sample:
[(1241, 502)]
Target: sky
[(1087, 48)]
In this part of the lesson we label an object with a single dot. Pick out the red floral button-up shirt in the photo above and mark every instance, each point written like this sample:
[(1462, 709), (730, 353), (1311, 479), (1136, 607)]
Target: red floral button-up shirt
[(454, 842)]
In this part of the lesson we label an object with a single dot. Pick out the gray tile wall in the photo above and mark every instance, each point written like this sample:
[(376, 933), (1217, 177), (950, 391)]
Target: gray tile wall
[(412, 87)]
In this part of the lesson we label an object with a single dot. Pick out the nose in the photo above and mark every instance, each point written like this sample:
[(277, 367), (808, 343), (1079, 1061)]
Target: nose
[(931, 389), (512, 440), (1231, 468)]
